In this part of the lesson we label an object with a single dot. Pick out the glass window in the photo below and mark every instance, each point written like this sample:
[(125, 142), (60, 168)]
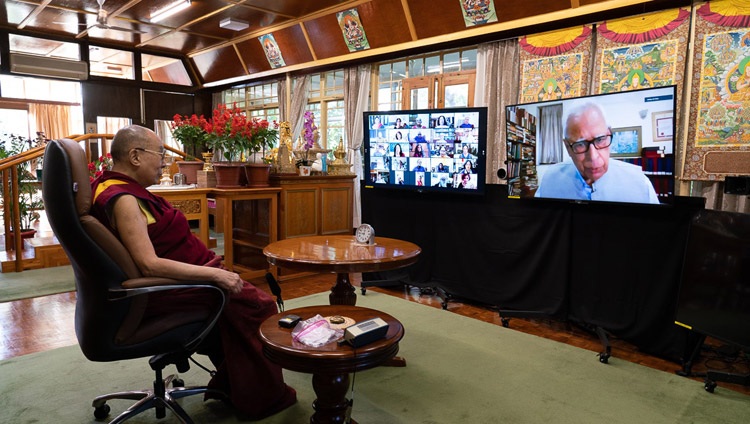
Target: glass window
[(165, 70), (392, 74), (113, 63), (326, 101), (44, 47)]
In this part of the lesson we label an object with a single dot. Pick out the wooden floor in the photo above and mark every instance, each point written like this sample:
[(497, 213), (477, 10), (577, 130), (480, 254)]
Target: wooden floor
[(44, 323)]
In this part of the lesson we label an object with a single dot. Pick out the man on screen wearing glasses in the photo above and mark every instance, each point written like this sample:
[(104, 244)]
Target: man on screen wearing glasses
[(591, 175)]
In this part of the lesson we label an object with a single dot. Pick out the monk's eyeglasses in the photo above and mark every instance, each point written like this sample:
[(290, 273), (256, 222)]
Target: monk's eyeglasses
[(156, 152)]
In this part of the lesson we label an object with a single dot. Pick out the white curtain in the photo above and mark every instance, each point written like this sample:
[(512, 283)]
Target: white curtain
[(356, 96), (300, 94), (550, 134), (52, 120), (496, 86)]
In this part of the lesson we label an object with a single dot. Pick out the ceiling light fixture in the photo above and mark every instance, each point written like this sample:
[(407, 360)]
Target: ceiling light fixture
[(169, 10), (233, 24)]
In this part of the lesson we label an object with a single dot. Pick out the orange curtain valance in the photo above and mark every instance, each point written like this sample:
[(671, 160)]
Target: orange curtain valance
[(644, 28), (556, 42)]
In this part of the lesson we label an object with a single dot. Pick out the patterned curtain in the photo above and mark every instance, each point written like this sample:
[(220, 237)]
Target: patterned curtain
[(356, 95), (718, 139), (496, 86)]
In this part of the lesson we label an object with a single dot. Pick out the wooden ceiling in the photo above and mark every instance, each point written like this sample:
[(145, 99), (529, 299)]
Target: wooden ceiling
[(306, 31)]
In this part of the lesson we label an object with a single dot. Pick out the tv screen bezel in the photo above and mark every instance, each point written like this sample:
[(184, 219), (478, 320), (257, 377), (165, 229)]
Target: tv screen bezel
[(481, 156), (671, 179)]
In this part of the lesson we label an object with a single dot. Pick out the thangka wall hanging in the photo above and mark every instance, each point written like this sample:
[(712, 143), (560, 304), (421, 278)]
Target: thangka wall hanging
[(641, 51), (273, 54), (554, 64), (478, 12), (354, 33), (718, 141)]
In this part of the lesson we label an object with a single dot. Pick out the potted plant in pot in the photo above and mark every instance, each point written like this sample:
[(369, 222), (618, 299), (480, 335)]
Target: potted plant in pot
[(28, 197), (190, 131), (304, 164), (228, 134), (258, 167)]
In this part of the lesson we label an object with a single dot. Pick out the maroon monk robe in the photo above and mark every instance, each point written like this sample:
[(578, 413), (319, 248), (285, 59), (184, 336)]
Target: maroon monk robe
[(254, 384)]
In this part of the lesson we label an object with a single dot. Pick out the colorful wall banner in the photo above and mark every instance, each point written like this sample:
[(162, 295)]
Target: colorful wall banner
[(641, 51), (719, 122), (353, 31), (554, 64), (273, 54), (478, 12)]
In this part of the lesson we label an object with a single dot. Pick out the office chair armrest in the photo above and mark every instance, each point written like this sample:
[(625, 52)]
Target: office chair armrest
[(135, 283), (158, 284)]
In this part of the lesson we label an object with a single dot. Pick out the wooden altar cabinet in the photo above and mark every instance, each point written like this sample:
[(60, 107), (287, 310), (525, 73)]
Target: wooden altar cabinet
[(314, 205)]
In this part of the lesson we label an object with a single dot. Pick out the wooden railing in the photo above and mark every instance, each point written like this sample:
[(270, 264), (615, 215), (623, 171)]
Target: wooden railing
[(10, 185)]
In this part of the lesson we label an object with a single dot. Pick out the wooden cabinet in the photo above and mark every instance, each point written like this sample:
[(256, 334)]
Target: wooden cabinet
[(191, 202), (315, 205), (250, 223)]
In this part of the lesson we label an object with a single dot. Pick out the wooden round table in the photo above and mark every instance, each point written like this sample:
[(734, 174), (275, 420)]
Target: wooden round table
[(331, 363), (342, 255)]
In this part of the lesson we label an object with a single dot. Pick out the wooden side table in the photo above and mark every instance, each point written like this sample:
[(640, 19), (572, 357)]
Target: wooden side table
[(342, 255), (331, 363)]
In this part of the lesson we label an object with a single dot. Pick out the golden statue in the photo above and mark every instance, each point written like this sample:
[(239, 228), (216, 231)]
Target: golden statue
[(284, 159)]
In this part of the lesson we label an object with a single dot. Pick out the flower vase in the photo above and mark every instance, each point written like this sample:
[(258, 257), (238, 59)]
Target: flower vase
[(305, 170)]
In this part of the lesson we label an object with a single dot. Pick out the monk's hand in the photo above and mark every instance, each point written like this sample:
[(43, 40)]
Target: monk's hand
[(229, 281)]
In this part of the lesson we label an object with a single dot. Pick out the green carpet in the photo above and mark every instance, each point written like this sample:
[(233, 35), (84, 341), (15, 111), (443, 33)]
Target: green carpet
[(36, 282), (458, 370)]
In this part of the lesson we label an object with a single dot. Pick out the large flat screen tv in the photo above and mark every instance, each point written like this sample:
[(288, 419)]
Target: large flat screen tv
[(615, 147), (714, 297), (435, 150)]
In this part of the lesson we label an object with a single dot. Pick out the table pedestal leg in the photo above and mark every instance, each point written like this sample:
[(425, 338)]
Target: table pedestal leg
[(331, 405), (343, 292)]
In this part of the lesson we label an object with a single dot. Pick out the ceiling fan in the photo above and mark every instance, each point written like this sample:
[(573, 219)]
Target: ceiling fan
[(102, 18)]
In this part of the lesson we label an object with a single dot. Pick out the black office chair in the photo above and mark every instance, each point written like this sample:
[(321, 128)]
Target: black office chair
[(111, 293)]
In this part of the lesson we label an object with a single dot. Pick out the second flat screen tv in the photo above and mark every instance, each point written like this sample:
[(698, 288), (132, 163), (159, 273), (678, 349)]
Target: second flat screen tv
[(614, 147), (435, 150)]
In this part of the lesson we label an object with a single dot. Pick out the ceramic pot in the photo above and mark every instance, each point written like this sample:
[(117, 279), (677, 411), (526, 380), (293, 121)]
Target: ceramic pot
[(190, 170), (257, 174), (304, 170), (229, 174)]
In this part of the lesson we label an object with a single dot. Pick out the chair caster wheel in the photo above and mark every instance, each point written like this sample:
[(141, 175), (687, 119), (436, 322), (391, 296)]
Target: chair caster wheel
[(101, 412), (505, 322), (364, 291), (178, 382), (603, 358), (710, 386)]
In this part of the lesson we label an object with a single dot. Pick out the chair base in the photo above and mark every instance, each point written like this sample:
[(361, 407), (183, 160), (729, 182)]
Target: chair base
[(159, 398)]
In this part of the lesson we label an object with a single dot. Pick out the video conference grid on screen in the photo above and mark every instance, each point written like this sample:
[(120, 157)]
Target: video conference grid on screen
[(425, 149)]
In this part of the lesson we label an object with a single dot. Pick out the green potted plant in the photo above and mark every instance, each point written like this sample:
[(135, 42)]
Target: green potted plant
[(28, 196), (190, 131)]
